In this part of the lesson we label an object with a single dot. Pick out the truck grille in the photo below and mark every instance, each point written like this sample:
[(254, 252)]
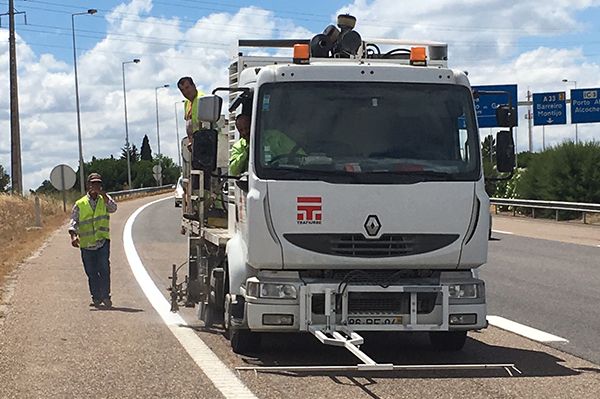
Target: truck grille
[(388, 303), (371, 303), (357, 245)]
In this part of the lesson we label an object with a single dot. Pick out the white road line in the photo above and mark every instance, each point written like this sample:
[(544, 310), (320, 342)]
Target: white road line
[(523, 330), (220, 375), (502, 232)]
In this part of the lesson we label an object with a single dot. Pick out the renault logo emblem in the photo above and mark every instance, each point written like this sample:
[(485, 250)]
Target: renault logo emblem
[(372, 225)]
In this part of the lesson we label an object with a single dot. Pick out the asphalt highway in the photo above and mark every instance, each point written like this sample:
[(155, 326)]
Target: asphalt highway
[(52, 344), (526, 282), (548, 285)]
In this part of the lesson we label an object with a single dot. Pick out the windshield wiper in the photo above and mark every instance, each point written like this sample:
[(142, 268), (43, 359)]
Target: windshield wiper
[(415, 176), (328, 175)]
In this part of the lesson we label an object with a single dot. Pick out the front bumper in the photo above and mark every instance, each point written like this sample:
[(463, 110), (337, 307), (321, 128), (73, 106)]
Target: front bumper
[(369, 308)]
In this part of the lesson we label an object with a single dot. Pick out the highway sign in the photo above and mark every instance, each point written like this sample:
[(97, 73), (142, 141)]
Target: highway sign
[(62, 177), (549, 108), (585, 105), (157, 172), (486, 105)]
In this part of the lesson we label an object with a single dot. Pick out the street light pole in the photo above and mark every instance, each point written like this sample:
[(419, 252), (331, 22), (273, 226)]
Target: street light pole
[(177, 131), (135, 61), (81, 174), (576, 133)]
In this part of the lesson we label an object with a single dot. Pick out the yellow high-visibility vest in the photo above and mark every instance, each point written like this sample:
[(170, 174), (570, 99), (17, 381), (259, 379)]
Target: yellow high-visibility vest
[(194, 111), (94, 225)]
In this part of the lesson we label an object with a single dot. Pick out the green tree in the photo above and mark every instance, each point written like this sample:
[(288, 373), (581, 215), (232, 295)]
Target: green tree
[(170, 171), (142, 175), (488, 148), (133, 154), (47, 188), (146, 151), (525, 158), (4, 180)]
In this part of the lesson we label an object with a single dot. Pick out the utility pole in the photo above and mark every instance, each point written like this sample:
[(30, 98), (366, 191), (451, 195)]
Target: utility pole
[(15, 131)]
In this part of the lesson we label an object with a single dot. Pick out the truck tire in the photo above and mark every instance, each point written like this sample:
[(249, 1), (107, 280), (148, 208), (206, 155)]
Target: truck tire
[(448, 341), (244, 341)]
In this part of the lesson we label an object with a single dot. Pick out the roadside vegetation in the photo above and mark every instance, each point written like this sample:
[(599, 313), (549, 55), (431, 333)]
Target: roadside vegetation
[(19, 235), (568, 172)]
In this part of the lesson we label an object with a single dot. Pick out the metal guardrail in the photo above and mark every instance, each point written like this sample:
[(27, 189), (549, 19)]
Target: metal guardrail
[(557, 206), (144, 190)]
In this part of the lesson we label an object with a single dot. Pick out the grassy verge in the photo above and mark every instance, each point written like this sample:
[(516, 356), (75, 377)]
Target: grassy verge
[(19, 235)]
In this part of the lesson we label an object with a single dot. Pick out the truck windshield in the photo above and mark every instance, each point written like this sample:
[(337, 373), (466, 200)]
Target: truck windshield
[(363, 132)]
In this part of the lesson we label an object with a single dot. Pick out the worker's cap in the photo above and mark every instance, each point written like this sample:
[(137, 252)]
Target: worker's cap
[(94, 177)]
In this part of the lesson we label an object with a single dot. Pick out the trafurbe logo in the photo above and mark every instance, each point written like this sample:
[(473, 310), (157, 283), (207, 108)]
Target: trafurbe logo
[(309, 210)]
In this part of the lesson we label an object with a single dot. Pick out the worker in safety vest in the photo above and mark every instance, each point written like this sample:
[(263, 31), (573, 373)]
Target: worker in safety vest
[(188, 89), (276, 147), (90, 231)]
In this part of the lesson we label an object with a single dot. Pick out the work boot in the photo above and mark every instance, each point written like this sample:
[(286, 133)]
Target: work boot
[(108, 303), (96, 303)]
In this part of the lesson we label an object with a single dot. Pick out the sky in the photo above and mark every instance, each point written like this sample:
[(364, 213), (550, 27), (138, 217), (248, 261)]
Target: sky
[(534, 44)]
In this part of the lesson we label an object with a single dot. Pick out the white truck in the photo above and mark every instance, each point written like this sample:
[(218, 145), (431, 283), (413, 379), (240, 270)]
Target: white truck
[(376, 219)]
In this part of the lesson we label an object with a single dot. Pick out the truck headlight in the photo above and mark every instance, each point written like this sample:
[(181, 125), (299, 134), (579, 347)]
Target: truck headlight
[(278, 291), (252, 289), (468, 291)]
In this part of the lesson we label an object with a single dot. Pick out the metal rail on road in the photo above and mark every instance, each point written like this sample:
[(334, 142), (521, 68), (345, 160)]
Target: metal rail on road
[(144, 190), (557, 206)]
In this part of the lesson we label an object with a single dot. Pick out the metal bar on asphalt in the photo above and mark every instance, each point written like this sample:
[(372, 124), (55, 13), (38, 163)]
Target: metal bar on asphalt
[(508, 367)]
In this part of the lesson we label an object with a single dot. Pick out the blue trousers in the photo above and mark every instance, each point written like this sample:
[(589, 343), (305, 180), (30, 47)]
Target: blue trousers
[(97, 267)]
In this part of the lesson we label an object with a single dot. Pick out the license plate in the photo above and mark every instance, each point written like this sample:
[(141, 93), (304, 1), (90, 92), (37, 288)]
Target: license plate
[(367, 320)]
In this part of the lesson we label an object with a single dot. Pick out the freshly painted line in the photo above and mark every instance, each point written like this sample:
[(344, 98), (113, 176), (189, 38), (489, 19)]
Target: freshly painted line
[(220, 375), (523, 330), (502, 232)]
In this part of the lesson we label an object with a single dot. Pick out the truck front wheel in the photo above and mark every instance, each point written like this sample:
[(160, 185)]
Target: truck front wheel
[(242, 339), (448, 341)]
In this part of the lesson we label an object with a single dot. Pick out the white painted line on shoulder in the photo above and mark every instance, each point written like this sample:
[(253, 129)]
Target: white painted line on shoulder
[(502, 232), (220, 375), (523, 330)]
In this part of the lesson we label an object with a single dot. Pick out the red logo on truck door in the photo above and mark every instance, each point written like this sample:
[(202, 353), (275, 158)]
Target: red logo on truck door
[(309, 210)]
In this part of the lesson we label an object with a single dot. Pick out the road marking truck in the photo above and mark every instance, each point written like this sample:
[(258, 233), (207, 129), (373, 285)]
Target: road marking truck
[(362, 205)]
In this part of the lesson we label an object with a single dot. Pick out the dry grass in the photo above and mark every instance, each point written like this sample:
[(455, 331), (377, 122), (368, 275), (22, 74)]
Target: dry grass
[(19, 235)]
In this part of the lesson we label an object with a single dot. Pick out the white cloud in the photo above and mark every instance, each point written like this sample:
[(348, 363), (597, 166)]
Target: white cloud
[(167, 48), (483, 36)]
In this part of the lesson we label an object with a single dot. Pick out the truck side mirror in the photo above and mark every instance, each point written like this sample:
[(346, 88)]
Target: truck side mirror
[(209, 108), (242, 182), (204, 150), (505, 151), (506, 116)]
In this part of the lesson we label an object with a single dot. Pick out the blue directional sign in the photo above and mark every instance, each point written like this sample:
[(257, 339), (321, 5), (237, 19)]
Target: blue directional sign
[(549, 108), (585, 105), (486, 105)]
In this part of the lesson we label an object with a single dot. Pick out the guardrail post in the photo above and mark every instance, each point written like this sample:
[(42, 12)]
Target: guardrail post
[(557, 215), (533, 212), (584, 217)]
